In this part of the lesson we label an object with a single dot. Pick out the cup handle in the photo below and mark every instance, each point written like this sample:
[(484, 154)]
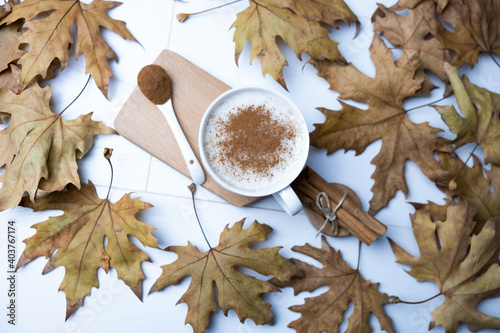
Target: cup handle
[(288, 200)]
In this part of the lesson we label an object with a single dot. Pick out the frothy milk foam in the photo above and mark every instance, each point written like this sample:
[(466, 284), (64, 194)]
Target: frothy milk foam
[(291, 160)]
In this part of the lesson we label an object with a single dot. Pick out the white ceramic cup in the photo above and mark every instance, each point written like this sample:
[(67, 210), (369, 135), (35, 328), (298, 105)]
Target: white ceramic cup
[(280, 187)]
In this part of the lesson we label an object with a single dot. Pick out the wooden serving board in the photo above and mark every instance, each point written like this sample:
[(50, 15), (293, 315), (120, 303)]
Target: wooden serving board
[(193, 90)]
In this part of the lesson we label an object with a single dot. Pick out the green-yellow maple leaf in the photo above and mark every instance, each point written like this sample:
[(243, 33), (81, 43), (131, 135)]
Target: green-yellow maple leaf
[(471, 184), (298, 23), (78, 236), (217, 267), (463, 266), (481, 121), (39, 148), (49, 37)]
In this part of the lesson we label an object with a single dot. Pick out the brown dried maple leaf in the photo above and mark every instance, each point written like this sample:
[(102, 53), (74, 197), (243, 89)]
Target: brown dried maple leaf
[(471, 184), (11, 79), (436, 212), (412, 34), (460, 264), (476, 29), (481, 121), (78, 236), (49, 37), (410, 4), (10, 47), (385, 119), (6, 8), (324, 313), (298, 23), (217, 267), (324, 11), (39, 148)]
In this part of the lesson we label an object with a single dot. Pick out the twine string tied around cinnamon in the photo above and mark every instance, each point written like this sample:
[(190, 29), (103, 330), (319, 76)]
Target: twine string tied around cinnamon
[(323, 203)]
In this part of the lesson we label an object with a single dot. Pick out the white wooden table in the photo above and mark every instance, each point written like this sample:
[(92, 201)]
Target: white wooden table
[(207, 41)]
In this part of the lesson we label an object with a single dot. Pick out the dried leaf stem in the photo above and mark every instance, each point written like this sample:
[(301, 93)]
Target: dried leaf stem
[(184, 16), (396, 300), (359, 255), (423, 105), (464, 164), (494, 60), (416, 107), (192, 189), (107, 155), (79, 94)]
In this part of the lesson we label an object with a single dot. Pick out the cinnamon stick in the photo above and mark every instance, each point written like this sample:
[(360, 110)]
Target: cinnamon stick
[(368, 219), (350, 215)]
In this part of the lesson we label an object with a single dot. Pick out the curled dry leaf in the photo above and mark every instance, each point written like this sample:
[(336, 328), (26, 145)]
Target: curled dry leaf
[(463, 266), (385, 119), (298, 23), (217, 268), (39, 148), (78, 236), (11, 79), (49, 36), (181, 17), (324, 313), (481, 121), (476, 29)]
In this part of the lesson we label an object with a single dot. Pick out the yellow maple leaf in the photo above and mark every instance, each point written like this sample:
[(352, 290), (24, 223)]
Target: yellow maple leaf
[(236, 291), (78, 236), (298, 24), (8, 39), (7, 7), (464, 267), (49, 37), (39, 148)]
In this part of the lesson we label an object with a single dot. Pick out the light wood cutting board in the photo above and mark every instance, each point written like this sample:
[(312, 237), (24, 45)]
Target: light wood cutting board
[(193, 90)]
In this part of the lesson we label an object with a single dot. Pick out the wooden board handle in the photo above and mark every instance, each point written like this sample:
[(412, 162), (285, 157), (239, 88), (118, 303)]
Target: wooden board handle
[(193, 90)]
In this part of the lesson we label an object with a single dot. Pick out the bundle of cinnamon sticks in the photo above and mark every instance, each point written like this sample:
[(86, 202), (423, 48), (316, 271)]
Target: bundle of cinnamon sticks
[(352, 219)]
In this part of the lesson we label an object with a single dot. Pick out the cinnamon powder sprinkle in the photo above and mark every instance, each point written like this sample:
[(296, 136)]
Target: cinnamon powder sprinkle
[(252, 141)]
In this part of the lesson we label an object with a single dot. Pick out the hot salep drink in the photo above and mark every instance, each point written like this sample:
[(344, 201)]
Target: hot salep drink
[(255, 141)]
